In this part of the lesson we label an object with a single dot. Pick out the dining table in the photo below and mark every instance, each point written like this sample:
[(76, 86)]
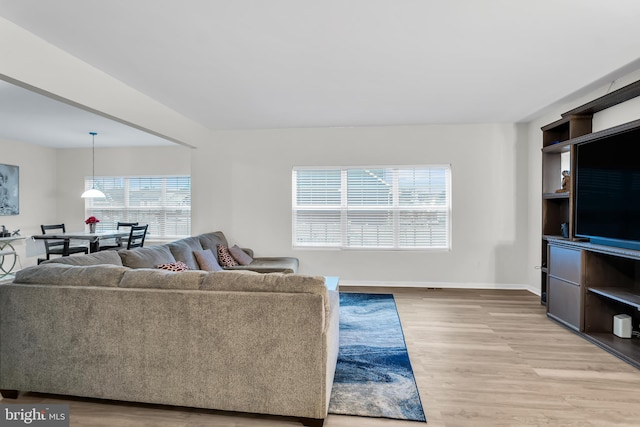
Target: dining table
[(93, 238)]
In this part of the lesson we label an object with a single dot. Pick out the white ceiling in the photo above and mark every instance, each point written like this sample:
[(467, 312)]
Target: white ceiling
[(249, 64), (30, 117)]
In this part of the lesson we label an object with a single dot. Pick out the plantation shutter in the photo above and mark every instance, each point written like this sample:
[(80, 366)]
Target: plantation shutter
[(317, 205), (162, 202), (370, 208), (423, 207), (377, 207)]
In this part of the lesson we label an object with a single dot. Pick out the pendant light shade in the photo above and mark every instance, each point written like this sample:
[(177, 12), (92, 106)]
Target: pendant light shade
[(93, 193)]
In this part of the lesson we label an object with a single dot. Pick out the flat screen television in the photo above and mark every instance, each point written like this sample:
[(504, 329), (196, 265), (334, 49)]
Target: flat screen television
[(608, 190)]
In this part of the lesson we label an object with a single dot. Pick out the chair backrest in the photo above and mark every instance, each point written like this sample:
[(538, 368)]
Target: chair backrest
[(125, 224), (137, 236), (54, 244), (46, 228)]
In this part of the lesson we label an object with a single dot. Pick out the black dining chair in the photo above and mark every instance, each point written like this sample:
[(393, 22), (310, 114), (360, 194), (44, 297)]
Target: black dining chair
[(59, 246), (120, 242), (137, 235)]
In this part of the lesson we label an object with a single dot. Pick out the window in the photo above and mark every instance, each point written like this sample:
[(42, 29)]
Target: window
[(376, 207), (163, 202)]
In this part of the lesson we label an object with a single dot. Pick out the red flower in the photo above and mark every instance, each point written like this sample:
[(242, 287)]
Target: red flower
[(91, 220)]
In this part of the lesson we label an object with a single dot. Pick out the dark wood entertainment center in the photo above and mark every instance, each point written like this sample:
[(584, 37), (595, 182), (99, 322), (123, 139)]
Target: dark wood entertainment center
[(585, 285)]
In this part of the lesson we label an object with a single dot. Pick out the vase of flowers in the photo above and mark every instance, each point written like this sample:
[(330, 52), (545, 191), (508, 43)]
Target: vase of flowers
[(92, 221)]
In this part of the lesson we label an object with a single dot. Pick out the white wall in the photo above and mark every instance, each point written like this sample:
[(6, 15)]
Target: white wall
[(245, 180), (51, 181), (38, 174), (74, 165), (242, 185)]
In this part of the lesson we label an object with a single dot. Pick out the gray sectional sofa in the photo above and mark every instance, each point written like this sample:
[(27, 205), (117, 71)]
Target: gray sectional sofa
[(106, 326), (183, 250)]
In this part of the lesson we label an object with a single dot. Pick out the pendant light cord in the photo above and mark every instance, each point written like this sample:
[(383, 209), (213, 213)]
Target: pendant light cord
[(93, 192), (93, 159)]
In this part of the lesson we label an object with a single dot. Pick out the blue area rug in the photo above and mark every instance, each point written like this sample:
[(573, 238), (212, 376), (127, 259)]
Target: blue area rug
[(374, 377)]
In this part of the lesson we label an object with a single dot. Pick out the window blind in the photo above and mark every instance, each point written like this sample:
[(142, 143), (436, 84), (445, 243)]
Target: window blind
[(163, 202), (376, 207)]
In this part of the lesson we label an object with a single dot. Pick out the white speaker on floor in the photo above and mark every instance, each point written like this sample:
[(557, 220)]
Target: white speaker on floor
[(622, 325)]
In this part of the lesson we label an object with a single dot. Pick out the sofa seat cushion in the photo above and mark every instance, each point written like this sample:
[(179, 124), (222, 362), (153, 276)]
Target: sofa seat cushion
[(72, 275), (182, 250), (147, 257), (162, 279), (94, 258)]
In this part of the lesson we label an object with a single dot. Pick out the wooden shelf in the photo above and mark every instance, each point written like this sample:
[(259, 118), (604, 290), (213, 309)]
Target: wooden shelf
[(602, 249), (627, 349), (554, 237), (606, 133), (609, 100), (628, 296), (558, 147), (548, 196), (560, 123)]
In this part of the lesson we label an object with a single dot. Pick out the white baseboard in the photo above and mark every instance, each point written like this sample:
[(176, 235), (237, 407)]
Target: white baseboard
[(442, 285)]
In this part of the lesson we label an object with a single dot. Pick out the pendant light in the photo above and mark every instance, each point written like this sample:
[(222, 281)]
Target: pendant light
[(93, 193)]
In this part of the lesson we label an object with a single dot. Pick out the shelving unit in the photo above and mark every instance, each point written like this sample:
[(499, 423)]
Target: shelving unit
[(621, 295), (556, 207), (612, 287), (585, 285), (561, 137), (588, 285)]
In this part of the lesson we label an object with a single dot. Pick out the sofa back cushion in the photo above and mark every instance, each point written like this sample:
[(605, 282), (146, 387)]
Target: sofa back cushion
[(183, 249), (72, 275), (211, 240), (94, 258), (148, 257), (249, 281), (162, 279)]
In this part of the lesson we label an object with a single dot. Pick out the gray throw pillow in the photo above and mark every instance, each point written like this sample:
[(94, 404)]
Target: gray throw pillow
[(239, 255), (207, 260)]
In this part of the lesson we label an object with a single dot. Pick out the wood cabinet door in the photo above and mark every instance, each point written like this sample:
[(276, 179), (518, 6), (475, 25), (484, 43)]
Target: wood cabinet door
[(563, 302)]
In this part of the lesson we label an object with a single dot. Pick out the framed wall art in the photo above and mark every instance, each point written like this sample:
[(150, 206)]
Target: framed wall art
[(9, 190)]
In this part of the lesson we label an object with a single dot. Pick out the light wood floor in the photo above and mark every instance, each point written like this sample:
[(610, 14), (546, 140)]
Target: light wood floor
[(481, 358)]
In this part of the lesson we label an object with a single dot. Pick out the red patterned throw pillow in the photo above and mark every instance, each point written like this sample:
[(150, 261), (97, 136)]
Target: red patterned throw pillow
[(224, 257), (174, 266)]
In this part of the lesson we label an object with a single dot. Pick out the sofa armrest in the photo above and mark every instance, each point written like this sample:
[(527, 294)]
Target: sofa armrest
[(270, 265), (260, 269)]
